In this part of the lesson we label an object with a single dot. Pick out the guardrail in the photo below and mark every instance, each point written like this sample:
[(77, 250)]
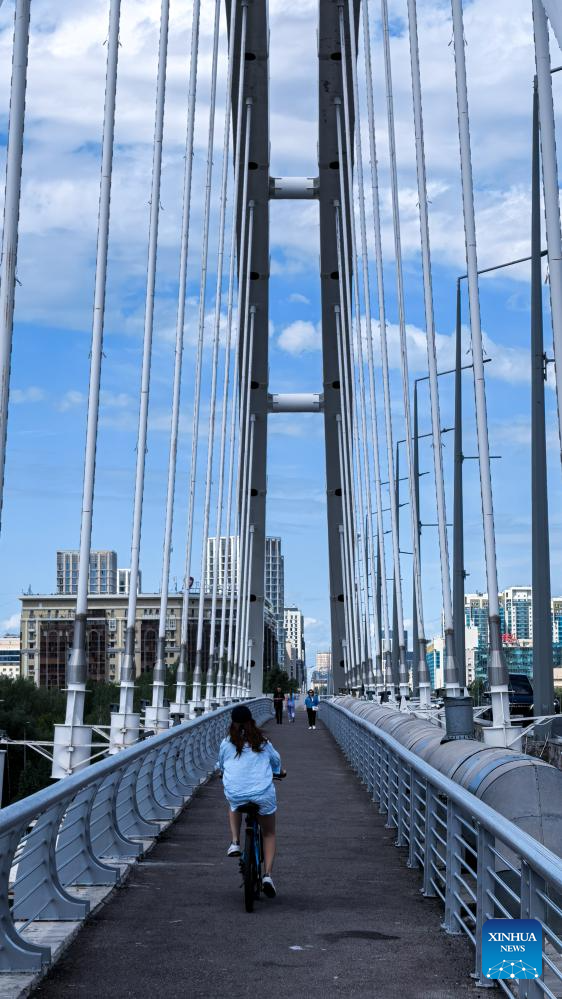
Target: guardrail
[(481, 865), (82, 830)]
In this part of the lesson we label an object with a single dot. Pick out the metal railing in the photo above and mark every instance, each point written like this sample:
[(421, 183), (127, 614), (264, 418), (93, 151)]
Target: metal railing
[(82, 830), (480, 864)]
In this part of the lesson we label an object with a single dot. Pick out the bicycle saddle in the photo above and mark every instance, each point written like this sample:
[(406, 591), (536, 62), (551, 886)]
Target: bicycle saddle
[(249, 808)]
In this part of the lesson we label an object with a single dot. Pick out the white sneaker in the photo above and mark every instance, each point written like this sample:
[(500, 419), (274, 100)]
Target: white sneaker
[(314, 728), (234, 850), (268, 886), (310, 728)]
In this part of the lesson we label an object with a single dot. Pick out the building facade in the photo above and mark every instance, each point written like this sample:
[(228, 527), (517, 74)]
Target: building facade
[(102, 576), (47, 626), (222, 558), (295, 649), (516, 620), (10, 656), (124, 581), (275, 590)]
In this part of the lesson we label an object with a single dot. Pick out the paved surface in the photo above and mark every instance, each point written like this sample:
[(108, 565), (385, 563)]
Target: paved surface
[(349, 919)]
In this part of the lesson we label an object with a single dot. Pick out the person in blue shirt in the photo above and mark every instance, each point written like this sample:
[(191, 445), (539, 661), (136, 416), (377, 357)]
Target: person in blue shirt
[(311, 705), (291, 705), (248, 761)]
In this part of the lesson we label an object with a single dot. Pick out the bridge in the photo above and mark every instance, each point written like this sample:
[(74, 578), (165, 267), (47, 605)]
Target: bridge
[(474, 815)]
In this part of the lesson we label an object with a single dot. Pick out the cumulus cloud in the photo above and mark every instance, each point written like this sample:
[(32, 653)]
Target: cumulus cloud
[(30, 394), (12, 623), (300, 337), (71, 400)]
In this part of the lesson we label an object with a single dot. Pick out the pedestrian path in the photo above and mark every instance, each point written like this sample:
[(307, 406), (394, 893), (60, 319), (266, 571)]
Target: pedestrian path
[(349, 919)]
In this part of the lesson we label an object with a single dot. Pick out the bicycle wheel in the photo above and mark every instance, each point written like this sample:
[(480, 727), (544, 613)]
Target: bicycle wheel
[(258, 851), (249, 870)]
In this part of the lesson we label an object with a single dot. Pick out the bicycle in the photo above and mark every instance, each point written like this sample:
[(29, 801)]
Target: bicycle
[(251, 860)]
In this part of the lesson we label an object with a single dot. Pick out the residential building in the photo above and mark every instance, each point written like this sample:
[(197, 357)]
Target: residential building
[(275, 590), (435, 659), (222, 558), (47, 625), (324, 661), (295, 650), (124, 581), (10, 656), (516, 619), (102, 576)]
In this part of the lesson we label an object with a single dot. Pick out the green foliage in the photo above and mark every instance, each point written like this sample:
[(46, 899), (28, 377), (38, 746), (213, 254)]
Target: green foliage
[(29, 712), (279, 678), (476, 689)]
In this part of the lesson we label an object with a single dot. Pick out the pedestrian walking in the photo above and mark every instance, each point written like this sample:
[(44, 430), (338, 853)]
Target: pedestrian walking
[(291, 705), (278, 702), (311, 705)]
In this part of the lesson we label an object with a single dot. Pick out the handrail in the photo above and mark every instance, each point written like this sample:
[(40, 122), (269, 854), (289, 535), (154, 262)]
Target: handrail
[(475, 860), (26, 809), (548, 864), (81, 831)]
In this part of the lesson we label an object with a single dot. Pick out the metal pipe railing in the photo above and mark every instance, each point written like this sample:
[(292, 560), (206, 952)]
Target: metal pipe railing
[(479, 863), (80, 830)]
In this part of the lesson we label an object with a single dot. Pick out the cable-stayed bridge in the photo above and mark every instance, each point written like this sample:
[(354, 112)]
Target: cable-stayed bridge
[(479, 817)]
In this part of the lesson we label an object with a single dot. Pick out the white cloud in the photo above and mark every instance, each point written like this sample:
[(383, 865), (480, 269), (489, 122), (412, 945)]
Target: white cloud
[(298, 298), (71, 400), (30, 394), (300, 337), (12, 623)]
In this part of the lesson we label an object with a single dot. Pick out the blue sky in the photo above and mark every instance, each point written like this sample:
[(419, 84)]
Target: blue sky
[(56, 268)]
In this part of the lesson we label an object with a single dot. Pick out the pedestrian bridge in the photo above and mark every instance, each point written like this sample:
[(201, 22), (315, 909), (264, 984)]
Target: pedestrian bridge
[(384, 878)]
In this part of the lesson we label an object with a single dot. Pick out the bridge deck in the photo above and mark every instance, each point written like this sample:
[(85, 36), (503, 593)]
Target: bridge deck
[(349, 919)]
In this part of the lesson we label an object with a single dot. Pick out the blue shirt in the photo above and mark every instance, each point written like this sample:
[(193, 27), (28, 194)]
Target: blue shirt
[(250, 774), (311, 702)]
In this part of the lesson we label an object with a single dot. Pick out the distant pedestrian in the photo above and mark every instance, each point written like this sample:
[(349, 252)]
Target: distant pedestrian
[(278, 702), (291, 704), (311, 705)]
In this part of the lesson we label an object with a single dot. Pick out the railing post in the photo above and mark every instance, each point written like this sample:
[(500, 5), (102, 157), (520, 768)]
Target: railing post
[(484, 889), (453, 868), (76, 860), (401, 792), (412, 835), (429, 839), (532, 907), (16, 954), (38, 892)]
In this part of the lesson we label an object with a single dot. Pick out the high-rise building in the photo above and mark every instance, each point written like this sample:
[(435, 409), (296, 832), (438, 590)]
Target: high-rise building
[(324, 661), (295, 649), (516, 622), (102, 576), (124, 582), (275, 590), (222, 558)]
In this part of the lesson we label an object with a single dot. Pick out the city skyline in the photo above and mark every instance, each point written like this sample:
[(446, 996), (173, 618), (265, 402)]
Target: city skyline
[(60, 196)]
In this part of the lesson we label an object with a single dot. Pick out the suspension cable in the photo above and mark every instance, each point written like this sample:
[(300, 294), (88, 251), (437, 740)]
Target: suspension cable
[(198, 374), (349, 258), (77, 668), (125, 728), (497, 669), (10, 229), (450, 666), (370, 358), (214, 368), (178, 356), (220, 678)]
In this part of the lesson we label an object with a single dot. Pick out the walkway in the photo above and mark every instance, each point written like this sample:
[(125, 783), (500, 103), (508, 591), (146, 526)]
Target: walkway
[(349, 919)]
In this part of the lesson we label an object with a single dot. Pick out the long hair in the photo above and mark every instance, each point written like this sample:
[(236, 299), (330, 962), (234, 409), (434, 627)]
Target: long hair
[(247, 732)]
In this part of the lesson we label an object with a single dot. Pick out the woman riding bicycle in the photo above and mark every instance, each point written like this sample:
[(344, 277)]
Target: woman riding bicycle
[(248, 762)]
